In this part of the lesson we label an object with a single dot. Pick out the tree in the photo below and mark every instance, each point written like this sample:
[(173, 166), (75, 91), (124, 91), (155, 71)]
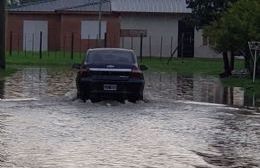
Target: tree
[(206, 12), (2, 34), (240, 24)]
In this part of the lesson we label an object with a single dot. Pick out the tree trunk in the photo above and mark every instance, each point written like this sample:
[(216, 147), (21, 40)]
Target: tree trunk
[(227, 68), (232, 61), (2, 34)]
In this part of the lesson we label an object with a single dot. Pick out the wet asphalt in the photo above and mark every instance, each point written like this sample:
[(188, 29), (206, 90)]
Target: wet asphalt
[(44, 125)]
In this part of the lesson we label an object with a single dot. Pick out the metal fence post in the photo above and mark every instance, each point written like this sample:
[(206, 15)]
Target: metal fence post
[(132, 43), (64, 40), (171, 44), (123, 42), (105, 41), (40, 45), (88, 46), (254, 71), (182, 47), (72, 46), (80, 47), (161, 47), (97, 40), (150, 47), (141, 47), (18, 44), (25, 44), (32, 43), (11, 43)]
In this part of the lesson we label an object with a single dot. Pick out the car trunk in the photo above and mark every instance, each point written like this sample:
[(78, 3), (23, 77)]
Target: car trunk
[(110, 72)]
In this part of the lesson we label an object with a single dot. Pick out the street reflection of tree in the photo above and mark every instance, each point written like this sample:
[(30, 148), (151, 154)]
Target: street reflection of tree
[(236, 140), (185, 87), (2, 88)]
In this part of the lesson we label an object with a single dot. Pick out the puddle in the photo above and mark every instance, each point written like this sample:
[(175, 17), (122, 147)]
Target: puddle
[(37, 83), (45, 83), (197, 88)]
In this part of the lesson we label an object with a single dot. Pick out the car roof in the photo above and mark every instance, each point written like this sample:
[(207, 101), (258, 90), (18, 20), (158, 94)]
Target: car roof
[(111, 49)]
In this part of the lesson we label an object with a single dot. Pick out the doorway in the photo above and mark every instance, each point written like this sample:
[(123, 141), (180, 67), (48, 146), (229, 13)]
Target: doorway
[(32, 32), (185, 40)]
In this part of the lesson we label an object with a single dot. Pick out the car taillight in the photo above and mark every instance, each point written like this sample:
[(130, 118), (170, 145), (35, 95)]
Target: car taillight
[(136, 73), (84, 72)]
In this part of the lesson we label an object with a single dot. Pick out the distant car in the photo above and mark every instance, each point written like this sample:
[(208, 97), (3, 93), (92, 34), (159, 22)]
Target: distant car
[(110, 73)]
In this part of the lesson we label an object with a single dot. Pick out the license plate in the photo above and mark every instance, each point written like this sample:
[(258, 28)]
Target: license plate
[(109, 87)]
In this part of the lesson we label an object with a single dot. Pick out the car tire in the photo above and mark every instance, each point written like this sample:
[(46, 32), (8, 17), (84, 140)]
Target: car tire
[(82, 96), (121, 101), (133, 99), (94, 99)]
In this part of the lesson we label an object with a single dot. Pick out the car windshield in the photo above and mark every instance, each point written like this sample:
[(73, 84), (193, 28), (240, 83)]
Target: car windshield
[(110, 57)]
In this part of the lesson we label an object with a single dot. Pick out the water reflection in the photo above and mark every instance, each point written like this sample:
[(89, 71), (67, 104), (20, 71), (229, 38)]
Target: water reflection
[(197, 88), (38, 83), (2, 85), (42, 82)]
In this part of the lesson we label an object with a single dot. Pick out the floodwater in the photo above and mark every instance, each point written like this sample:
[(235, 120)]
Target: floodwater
[(43, 126), (44, 83)]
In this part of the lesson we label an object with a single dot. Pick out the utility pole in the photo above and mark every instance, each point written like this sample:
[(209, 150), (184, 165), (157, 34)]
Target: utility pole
[(2, 34), (99, 22)]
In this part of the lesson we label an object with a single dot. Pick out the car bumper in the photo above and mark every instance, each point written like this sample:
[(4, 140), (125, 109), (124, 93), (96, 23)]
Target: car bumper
[(124, 89)]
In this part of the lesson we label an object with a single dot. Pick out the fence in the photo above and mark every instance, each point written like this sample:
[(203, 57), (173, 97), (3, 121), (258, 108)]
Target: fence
[(147, 46)]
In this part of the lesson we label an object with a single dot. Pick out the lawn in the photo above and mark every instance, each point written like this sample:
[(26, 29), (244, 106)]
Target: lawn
[(48, 59), (183, 66), (188, 65), (203, 66)]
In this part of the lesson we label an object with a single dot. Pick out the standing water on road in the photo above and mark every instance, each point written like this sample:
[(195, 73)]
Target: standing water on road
[(42, 83), (164, 131)]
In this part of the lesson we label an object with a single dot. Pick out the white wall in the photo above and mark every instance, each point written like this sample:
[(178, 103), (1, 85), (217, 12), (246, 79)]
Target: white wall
[(157, 27), (90, 29), (203, 51)]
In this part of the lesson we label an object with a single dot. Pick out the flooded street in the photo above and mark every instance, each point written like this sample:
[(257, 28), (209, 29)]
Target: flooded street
[(183, 122)]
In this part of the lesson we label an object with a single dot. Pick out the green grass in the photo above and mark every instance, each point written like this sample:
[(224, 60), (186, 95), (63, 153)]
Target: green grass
[(48, 59), (188, 65), (246, 83), (183, 66)]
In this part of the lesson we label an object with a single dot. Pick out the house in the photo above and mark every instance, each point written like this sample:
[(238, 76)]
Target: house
[(57, 24)]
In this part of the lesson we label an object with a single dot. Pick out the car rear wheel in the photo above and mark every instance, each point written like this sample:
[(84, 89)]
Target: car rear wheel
[(135, 98), (94, 99), (82, 96), (121, 100), (132, 100)]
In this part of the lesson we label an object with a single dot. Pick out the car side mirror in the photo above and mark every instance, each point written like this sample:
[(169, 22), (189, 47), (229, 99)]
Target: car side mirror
[(76, 66), (143, 67)]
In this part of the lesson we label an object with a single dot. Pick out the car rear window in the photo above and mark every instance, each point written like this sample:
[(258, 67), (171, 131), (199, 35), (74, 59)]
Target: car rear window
[(110, 57)]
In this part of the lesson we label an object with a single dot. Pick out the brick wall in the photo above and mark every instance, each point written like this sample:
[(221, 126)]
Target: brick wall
[(61, 29), (15, 25), (71, 27)]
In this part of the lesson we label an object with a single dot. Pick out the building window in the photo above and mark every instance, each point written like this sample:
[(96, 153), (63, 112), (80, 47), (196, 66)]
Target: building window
[(205, 40), (90, 29)]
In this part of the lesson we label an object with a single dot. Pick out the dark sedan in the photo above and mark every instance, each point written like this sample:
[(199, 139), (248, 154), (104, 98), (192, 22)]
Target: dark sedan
[(110, 73)]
